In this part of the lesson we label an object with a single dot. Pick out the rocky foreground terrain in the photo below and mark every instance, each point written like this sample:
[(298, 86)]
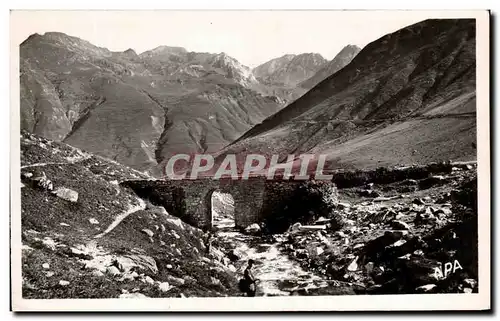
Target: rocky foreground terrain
[(419, 237), (85, 235)]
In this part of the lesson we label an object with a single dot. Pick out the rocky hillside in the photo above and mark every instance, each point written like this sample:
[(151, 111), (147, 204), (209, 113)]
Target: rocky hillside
[(408, 97), (282, 75), (137, 109), (342, 59), (289, 70), (409, 236), (84, 235)]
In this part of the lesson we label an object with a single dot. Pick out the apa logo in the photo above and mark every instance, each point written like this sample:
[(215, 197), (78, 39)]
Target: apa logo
[(448, 268)]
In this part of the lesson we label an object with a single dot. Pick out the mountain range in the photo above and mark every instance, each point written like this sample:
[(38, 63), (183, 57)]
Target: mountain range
[(140, 109), (407, 97)]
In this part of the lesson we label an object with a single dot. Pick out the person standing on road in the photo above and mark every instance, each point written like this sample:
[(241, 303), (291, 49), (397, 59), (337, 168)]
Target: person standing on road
[(250, 279)]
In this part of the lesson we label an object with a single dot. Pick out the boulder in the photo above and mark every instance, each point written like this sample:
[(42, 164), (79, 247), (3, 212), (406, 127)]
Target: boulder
[(164, 286), (252, 228), (322, 220), (418, 201), (343, 205), (148, 232), (399, 225), (147, 279), (425, 288), (175, 280), (471, 283), (41, 181), (112, 270), (66, 194), (97, 273), (93, 221), (353, 266), (63, 282)]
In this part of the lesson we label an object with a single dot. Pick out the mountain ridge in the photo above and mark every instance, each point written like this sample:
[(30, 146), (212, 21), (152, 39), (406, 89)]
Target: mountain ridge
[(426, 70)]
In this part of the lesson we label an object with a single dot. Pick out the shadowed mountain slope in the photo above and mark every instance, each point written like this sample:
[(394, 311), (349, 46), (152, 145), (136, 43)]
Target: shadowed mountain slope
[(408, 97)]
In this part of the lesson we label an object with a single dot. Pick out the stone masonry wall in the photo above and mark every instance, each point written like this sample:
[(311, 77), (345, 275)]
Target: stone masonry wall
[(190, 200)]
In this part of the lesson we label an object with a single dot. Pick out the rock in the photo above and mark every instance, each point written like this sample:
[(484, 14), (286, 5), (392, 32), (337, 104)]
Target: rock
[(66, 194), (350, 222), (432, 181), (395, 235), (399, 225), (93, 221), (234, 255), (63, 224), (49, 274), (252, 228), (418, 201), (63, 282), (319, 250), (467, 290), (46, 265), (353, 266), (43, 182), (26, 175), (49, 243), (343, 205), (369, 267), (397, 243), (418, 253), (322, 220), (421, 271), (176, 281), (217, 254), (148, 232), (382, 199), (215, 281), (164, 286), (169, 266), (409, 182), (407, 256), (112, 270), (471, 283), (425, 288), (97, 273), (399, 216), (357, 246), (135, 295), (147, 279), (340, 233)]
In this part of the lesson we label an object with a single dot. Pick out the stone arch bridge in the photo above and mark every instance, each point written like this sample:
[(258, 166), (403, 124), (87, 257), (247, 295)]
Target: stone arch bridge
[(190, 200)]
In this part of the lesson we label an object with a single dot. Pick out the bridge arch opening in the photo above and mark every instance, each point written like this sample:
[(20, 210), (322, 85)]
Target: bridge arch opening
[(221, 209)]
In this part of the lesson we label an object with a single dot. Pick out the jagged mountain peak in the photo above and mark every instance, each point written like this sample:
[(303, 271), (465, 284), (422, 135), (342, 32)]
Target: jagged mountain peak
[(290, 69), (343, 58)]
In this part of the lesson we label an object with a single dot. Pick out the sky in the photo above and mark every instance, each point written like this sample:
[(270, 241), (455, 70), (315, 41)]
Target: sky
[(252, 37)]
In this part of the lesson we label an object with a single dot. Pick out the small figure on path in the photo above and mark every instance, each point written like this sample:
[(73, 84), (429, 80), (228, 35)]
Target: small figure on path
[(249, 279)]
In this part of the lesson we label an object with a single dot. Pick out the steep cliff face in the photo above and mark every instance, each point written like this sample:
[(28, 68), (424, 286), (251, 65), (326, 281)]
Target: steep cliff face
[(137, 109), (408, 97), (342, 59)]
